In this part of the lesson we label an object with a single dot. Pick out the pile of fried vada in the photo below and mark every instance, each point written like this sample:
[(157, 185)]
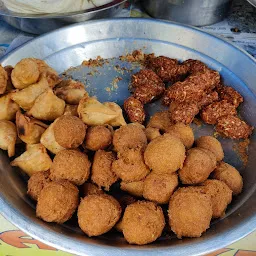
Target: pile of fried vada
[(83, 160)]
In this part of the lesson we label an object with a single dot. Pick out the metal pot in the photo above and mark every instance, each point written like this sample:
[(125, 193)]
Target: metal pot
[(192, 12)]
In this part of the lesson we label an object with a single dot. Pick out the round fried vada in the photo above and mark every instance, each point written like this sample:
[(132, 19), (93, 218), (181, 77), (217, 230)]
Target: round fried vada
[(97, 214), (71, 165), (57, 201)]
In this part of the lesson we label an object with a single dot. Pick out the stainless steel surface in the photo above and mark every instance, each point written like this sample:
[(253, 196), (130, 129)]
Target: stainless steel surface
[(252, 2), (40, 24), (192, 12), (111, 38)]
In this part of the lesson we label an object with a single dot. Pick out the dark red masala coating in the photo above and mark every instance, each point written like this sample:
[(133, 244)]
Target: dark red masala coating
[(147, 86), (208, 99), (134, 110), (195, 66), (167, 69), (233, 127), (214, 111)]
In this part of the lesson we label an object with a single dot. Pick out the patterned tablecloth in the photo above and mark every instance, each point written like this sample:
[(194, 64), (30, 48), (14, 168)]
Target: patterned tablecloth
[(239, 27)]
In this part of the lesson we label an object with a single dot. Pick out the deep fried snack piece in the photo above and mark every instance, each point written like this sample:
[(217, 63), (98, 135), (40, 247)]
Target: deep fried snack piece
[(230, 95), (124, 200), (49, 141), (71, 110), (49, 73), (167, 69), (47, 106), (198, 166), (158, 187), (190, 212), (97, 214), (57, 201), (229, 175), (160, 120), (25, 73), (71, 91), (143, 222), (195, 66), (8, 136), (9, 86), (211, 113), (221, 196), (147, 86), (212, 144), (98, 137), (34, 159), (128, 137), (233, 127), (130, 165), (134, 188), (69, 131), (92, 112), (71, 165), (152, 133), (165, 154), (90, 189), (37, 182), (192, 88), (29, 129), (3, 80), (183, 112), (8, 107), (102, 173), (134, 110), (208, 99), (183, 132), (26, 97)]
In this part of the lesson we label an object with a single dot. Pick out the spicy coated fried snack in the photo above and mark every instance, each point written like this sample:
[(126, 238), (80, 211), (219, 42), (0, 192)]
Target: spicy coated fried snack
[(147, 86), (233, 127), (134, 110), (230, 95), (208, 99), (195, 66), (8, 136)]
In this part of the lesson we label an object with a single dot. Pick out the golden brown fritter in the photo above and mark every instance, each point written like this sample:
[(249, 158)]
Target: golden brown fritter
[(37, 182), (147, 86), (130, 165), (57, 201), (8, 137), (98, 137), (69, 131), (221, 196), (160, 120), (158, 187), (34, 159), (233, 127), (143, 222), (134, 110), (184, 133), (25, 73), (71, 165), (3, 80), (29, 129), (8, 107), (211, 113), (231, 95), (165, 154), (71, 110), (97, 214), (152, 133), (229, 175), (190, 213), (128, 137), (183, 112), (89, 188), (197, 166), (71, 91), (124, 200), (212, 144), (134, 188), (102, 173), (47, 107)]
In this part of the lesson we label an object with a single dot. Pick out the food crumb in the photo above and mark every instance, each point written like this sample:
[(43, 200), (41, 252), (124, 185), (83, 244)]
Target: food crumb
[(241, 148)]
